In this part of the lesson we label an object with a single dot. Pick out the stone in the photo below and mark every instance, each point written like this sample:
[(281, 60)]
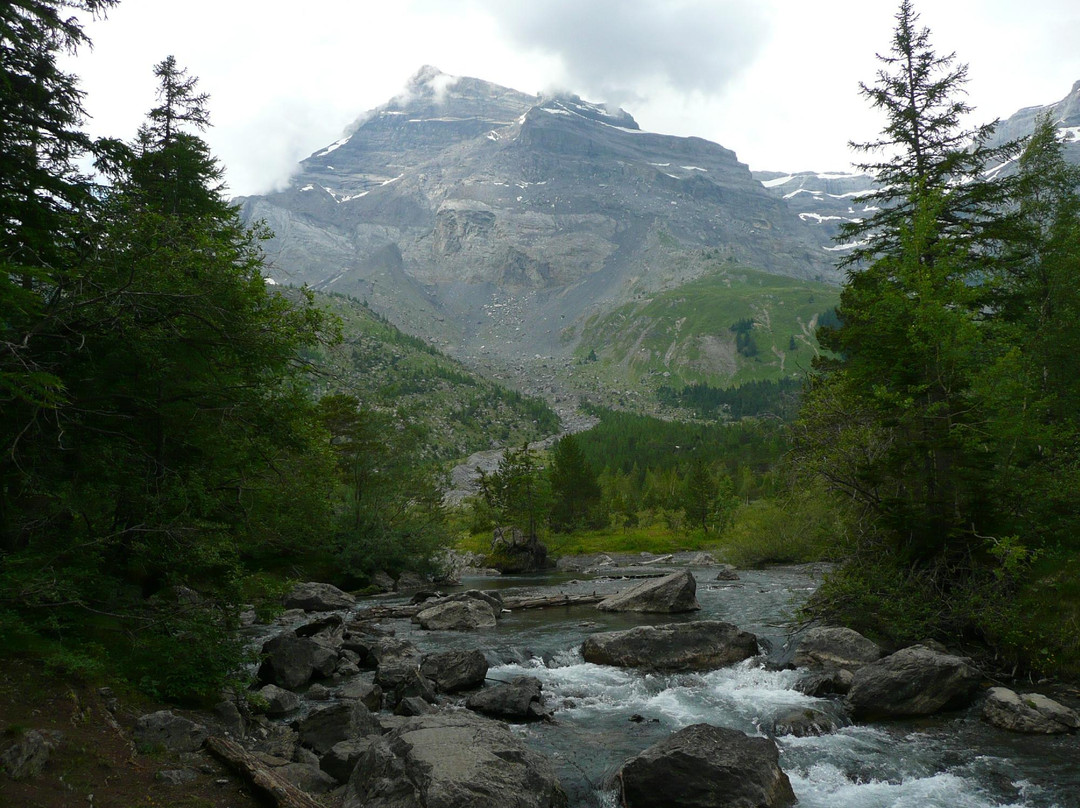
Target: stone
[(703, 765), (412, 705), (913, 681), (357, 689), (345, 721), (382, 581), (271, 738), (452, 760), (1031, 713), (340, 761), (230, 718), (317, 597), (410, 582), (452, 671), (697, 646), (671, 594), (279, 701), (834, 647), (27, 757), (292, 661), (460, 615), (307, 778), (176, 777), (830, 681), (171, 732), (520, 698), (726, 572)]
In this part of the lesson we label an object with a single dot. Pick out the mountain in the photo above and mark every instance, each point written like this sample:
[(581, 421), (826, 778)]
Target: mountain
[(826, 200), (494, 223)]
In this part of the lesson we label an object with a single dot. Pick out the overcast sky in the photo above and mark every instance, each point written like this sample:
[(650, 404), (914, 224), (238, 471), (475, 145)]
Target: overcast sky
[(774, 80)]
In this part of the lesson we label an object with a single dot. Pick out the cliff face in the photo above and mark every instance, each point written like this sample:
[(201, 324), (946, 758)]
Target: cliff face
[(476, 215)]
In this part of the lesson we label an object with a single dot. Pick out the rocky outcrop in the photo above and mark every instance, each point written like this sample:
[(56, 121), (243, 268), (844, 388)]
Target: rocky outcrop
[(701, 645), (833, 647), (452, 671), (168, 731), (514, 551), (519, 699), (456, 760), (671, 594), (913, 681), (1031, 713), (703, 765), (26, 757), (316, 597)]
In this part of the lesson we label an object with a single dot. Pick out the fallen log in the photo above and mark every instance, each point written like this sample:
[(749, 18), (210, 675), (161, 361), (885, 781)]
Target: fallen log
[(553, 600), (277, 789)]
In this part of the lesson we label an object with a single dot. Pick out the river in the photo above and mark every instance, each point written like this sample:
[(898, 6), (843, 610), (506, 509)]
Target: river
[(950, 761)]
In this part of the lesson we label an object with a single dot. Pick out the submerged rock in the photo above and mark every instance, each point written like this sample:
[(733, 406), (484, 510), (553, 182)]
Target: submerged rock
[(671, 594), (703, 765), (452, 760), (697, 646), (1032, 713), (913, 681)]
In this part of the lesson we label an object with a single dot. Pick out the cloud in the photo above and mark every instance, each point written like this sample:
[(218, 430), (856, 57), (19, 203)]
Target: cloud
[(613, 48)]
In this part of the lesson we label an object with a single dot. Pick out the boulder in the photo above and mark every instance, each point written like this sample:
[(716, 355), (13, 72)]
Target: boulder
[(340, 761), (520, 698), (401, 680), (345, 721), (913, 681), (279, 701), (833, 647), (831, 681), (315, 597), (410, 582), (697, 646), (26, 758), (670, 594), (1032, 713), (457, 615), (176, 777), (452, 760), (308, 778), (171, 732), (271, 738), (382, 581), (413, 705), (806, 721), (357, 689), (703, 765), (292, 661), (452, 671)]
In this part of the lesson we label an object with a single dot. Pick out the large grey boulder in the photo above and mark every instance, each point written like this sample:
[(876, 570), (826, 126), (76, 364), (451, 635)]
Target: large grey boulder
[(340, 761), (278, 701), (308, 778), (452, 671), (670, 594), (697, 646), (457, 615), (703, 766), (452, 760), (292, 661), (834, 647), (316, 597), (913, 681), (171, 732), (27, 756), (1032, 713), (520, 698), (363, 690), (345, 721)]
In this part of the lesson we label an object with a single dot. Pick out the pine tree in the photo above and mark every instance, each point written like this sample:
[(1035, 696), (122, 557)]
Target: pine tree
[(575, 491)]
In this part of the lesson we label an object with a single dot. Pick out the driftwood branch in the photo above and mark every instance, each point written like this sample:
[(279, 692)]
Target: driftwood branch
[(390, 612), (277, 789)]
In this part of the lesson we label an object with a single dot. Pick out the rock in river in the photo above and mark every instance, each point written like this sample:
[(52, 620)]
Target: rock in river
[(697, 646), (316, 597), (913, 681), (832, 647), (452, 760), (1029, 712), (703, 766), (457, 615), (670, 594)]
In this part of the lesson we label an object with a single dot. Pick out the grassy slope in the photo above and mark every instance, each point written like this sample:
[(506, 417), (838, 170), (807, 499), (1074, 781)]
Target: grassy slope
[(389, 370), (686, 332)]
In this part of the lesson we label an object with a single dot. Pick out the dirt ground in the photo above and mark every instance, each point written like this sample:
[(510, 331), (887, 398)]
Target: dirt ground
[(96, 764)]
